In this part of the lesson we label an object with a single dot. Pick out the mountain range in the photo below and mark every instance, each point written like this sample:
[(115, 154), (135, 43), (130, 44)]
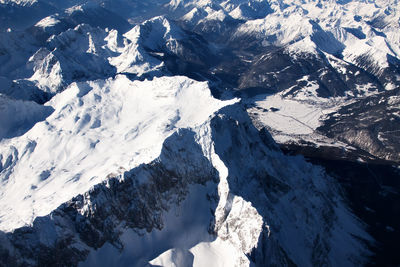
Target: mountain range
[(195, 133)]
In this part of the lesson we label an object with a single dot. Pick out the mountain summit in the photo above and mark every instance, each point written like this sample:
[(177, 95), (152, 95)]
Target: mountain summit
[(199, 133)]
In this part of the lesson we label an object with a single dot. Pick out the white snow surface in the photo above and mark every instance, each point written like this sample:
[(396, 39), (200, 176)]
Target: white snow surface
[(105, 52), (97, 128), (19, 2), (335, 27), (152, 34), (296, 117), (47, 22)]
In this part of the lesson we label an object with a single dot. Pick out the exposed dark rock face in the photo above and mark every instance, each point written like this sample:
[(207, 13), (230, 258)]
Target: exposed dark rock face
[(371, 124), (275, 185), (372, 191)]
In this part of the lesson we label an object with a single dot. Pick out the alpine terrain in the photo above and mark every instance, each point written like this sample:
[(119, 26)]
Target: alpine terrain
[(199, 133)]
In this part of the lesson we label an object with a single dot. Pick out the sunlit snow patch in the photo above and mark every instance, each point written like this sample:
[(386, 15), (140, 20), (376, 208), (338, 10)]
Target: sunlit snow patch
[(47, 22), (97, 128)]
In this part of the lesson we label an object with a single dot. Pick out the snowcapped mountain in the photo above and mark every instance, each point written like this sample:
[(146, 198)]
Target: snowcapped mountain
[(150, 133), (254, 208)]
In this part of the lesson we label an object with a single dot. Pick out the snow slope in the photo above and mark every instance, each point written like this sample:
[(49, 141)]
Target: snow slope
[(96, 128), (216, 192), (18, 116)]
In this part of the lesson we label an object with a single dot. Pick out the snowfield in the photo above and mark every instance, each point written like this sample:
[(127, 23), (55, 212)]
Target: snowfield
[(96, 128)]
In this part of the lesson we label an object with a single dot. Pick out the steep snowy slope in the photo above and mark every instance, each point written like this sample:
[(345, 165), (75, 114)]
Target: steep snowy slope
[(18, 116), (155, 35), (248, 209), (58, 65), (158, 46), (96, 128)]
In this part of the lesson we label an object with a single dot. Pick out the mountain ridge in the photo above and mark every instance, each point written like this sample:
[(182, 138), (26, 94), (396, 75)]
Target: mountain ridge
[(150, 133)]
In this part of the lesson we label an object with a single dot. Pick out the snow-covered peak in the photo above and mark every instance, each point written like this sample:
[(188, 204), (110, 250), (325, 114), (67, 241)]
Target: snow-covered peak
[(56, 65), (359, 32), (74, 9), (146, 43), (248, 9), (19, 2), (175, 4), (278, 31), (47, 22), (156, 33), (194, 16), (96, 128), (196, 12)]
